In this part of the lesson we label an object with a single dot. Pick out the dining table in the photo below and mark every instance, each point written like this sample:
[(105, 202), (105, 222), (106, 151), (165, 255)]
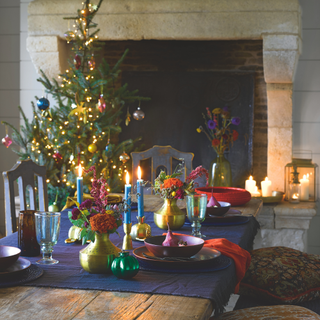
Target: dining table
[(66, 291)]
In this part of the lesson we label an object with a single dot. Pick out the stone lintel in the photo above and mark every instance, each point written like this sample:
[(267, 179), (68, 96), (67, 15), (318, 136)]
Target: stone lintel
[(292, 222)]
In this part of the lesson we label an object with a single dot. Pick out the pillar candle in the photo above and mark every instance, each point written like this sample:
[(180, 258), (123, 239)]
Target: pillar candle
[(127, 197), (266, 188), (256, 192), (80, 186), (140, 191), (250, 185), (304, 195)]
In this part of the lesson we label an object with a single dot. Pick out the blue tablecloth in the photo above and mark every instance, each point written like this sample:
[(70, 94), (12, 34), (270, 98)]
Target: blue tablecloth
[(216, 286)]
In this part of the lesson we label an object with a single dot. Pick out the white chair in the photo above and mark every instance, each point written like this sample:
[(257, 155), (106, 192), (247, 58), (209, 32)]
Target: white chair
[(25, 171)]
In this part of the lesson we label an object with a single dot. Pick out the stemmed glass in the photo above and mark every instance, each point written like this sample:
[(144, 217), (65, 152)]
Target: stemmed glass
[(196, 211), (47, 231)]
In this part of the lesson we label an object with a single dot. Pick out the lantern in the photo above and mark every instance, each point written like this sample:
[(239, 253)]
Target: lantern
[(304, 173)]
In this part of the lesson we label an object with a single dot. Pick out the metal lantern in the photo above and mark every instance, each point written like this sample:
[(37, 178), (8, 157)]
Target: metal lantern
[(305, 173)]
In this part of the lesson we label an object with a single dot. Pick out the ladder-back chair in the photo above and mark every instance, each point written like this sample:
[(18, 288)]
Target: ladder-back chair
[(25, 171)]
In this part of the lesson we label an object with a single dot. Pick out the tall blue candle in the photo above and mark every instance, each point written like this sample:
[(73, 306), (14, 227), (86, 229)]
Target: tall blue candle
[(80, 186), (127, 197), (140, 191)]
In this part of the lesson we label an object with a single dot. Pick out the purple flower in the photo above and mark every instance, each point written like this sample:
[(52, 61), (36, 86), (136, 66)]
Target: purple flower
[(87, 204), (211, 124), (235, 121), (75, 213), (86, 224)]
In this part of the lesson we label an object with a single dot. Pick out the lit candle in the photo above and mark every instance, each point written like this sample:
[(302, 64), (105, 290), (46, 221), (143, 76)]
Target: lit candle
[(140, 191), (250, 185), (304, 196), (79, 185), (266, 188), (127, 197), (256, 192)]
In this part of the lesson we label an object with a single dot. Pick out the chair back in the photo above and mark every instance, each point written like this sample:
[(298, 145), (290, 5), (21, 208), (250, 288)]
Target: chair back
[(161, 156), (25, 171)]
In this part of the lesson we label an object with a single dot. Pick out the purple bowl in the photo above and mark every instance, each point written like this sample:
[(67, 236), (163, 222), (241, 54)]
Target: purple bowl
[(8, 256), (218, 211), (154, 245)]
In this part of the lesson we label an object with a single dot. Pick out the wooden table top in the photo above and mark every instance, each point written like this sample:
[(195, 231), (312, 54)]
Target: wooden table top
[(26, 303)]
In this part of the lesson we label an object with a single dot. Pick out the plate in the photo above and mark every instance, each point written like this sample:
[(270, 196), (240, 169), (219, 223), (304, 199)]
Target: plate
[(276, 197), (207, 260), (20, 265)]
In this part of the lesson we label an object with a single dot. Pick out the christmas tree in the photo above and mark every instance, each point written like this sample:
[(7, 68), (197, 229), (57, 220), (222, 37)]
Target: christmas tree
[(83, 126)]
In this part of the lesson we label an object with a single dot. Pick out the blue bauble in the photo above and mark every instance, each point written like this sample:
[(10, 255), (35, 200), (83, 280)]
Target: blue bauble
[(108, 147), (43, 103)]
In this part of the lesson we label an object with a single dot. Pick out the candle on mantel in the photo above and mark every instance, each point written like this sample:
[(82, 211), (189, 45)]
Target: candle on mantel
[(304, 196), (127, 197), (250, 185), (140, 191), (256, 192), (266, 188), (79, 185)]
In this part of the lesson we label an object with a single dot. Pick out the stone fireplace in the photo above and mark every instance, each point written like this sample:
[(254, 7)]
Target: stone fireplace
[(273, 24)]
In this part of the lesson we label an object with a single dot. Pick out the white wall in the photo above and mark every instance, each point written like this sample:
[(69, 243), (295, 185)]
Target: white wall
[(306, 100), (9, 83)]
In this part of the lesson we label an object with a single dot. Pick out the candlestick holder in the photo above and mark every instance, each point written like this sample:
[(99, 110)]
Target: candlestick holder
[(141, 230), (127, 239)]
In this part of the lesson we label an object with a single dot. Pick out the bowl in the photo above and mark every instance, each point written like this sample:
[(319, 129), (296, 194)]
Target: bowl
[(8, 256), (154, 245), (218, 211), (277, 196), (235, 196)]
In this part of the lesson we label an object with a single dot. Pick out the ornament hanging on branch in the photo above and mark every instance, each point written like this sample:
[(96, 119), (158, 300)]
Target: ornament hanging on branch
[(101, 103), (69, 35), (92, 148), (43, 104), (77, 61), (124, 157), (138, 114), (7, 141), (92, 63), (57, 156), (128, 116)]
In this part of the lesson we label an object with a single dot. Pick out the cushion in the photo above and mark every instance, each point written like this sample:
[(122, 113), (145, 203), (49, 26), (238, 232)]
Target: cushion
[(282, 275), (281, 312)]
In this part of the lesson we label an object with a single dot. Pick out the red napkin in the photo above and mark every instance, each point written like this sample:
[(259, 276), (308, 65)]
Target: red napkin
[(241, 257)]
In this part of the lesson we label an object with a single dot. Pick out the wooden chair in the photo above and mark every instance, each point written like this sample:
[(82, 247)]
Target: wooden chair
[(161, 156), (25, 172)]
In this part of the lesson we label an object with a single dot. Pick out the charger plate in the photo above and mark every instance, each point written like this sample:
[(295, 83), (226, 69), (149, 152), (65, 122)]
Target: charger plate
[(20, 265), (206, 260)]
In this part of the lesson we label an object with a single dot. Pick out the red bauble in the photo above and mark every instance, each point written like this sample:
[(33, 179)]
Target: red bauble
[(101, 103), (77, 61), (57, 156)]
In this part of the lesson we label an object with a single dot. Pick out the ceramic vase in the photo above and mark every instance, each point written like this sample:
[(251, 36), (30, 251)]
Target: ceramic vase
[(98, 256)]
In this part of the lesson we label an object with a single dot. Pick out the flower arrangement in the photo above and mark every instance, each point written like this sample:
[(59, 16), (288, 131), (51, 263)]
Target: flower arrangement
[(96, 216), (218, 131), (171, 187)]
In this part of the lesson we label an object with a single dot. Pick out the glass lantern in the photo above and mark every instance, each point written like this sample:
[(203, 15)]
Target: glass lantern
[(306, 174)]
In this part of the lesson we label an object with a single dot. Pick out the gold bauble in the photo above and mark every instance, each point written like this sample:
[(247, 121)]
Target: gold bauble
[(124, 157), (92, 148)]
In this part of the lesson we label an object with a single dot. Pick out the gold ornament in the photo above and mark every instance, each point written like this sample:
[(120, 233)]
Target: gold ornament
[(92, 148), (124, 157)]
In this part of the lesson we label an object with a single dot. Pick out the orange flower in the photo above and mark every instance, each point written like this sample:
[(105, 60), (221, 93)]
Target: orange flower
[(215, 142), (103, 222), (171, 182), (235, 135)]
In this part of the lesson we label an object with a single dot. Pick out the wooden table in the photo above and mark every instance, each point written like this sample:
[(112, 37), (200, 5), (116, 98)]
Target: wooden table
[(39, 303)]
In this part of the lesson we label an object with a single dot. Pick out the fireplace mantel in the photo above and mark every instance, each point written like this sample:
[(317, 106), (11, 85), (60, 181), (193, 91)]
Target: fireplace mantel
[(277, 23)]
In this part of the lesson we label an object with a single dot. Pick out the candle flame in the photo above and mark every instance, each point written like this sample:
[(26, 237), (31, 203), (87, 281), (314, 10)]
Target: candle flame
[(304, 176), (139, 173), (127, 178), (80, 170), (250, 178), (295, 196), (266, 179)]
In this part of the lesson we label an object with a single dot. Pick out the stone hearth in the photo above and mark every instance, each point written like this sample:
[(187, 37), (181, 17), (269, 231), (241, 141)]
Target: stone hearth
[(276, 23)]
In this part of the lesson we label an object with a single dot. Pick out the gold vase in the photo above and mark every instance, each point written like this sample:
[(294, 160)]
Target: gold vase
[(98, 256), (169, 213)]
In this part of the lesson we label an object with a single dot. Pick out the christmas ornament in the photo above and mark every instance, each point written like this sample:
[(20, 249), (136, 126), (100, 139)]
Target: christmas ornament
[(92, 148), (125, 266), (69, 35), (138, 114), (53, 207), (101, 103), (108, 147), (43, 103), (7, 141), (91, 63), (124, 157), (57, 156), (77, 61), (128, 115), (85, 12)]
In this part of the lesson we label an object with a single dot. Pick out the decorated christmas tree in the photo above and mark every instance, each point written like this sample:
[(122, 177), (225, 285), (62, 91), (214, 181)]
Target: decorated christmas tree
[(84, 124)]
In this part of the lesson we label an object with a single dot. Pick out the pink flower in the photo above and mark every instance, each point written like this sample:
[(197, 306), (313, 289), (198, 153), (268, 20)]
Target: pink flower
[(179, 194)]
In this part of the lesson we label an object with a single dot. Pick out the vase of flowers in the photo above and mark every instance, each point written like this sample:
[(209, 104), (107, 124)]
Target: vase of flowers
[(97, 220), (219, 132), (171, 188)]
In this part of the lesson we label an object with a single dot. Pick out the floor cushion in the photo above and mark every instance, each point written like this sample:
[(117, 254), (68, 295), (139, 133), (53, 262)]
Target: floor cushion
[(282, 275), (280, 312)]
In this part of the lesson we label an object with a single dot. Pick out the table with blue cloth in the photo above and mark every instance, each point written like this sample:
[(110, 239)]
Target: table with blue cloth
[(216, 286)]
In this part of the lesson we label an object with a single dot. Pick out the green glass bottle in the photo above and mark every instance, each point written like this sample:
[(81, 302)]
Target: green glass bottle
[(220, 172)]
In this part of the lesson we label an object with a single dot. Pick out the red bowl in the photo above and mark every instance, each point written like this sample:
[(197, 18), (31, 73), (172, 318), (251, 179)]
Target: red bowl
[(8, 256), (154, 245), (235, 196)]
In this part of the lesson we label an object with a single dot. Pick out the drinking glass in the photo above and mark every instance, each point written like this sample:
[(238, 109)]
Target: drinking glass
[(196, 211), (47, 230)]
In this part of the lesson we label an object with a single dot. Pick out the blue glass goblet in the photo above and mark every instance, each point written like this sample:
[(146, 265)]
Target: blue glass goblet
[(196, 211)]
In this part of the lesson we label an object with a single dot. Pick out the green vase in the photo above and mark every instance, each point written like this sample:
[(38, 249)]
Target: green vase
[(125, 266), (220, 172)]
